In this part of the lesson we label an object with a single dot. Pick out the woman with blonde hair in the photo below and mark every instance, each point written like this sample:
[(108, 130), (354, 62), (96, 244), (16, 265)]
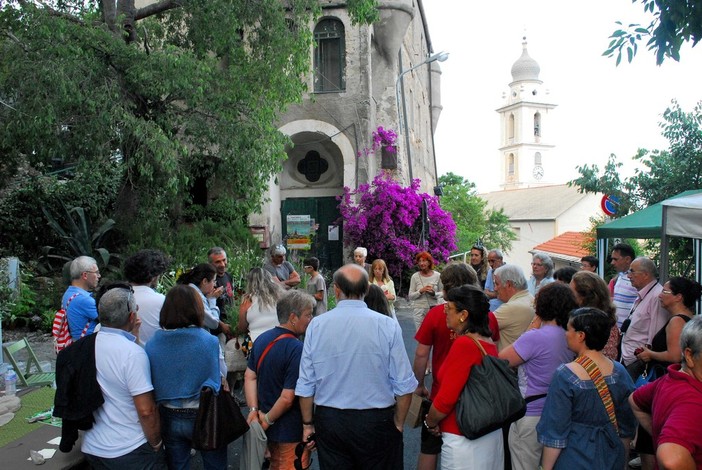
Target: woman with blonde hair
[(381, 278), (590, 290), (257, 312)]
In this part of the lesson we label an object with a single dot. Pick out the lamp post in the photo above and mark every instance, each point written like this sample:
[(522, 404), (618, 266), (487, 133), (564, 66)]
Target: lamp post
[(440, 56), (401, 116)]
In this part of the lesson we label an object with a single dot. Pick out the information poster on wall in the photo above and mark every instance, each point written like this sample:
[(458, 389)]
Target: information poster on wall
[(299, 232), (333, 233)]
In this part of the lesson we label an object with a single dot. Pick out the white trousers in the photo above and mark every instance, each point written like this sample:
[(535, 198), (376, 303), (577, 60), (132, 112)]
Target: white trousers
[(460, 453)]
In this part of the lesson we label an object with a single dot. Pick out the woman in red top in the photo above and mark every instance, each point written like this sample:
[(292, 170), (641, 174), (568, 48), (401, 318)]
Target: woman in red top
[(467, 315)]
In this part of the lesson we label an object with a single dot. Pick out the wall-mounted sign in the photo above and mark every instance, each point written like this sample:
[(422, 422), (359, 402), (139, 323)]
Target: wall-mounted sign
[(333, 233), (299, 232)]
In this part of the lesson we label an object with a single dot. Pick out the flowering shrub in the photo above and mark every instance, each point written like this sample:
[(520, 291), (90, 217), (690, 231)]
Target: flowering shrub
[(387, 221), (381, 138), (384, 138)]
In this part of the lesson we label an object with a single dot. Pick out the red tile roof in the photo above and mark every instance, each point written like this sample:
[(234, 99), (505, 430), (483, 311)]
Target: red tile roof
[(568, 243)]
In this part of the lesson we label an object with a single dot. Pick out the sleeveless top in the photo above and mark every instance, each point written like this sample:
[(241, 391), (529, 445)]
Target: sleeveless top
[(659, 343)]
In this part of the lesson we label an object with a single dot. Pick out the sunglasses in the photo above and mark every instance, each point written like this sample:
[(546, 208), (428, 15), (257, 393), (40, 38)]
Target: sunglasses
[(300, 450), (117, 285)]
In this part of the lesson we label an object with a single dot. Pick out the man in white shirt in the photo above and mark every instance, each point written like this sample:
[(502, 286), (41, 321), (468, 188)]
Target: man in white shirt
[(127, 429), (143, 270)]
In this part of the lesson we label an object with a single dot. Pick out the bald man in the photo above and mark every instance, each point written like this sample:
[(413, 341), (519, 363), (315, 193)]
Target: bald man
[(355, 369)]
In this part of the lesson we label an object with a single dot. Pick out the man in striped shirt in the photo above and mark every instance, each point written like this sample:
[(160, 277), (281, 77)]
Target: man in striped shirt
[(623, 294)]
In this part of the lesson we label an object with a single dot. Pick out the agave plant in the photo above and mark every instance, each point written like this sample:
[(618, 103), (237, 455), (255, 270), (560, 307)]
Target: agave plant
[(76, 230)]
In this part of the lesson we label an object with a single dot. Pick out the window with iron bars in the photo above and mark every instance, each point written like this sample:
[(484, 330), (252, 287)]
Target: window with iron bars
[(329, 56)]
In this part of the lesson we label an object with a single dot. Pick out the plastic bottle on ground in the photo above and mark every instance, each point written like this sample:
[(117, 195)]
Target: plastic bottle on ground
[(10, 382)]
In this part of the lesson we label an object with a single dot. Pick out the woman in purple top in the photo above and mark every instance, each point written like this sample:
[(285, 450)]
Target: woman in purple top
[(537, 354)]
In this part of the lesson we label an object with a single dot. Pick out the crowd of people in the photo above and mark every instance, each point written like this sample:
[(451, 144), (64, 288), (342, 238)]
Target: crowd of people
[(340, 382)]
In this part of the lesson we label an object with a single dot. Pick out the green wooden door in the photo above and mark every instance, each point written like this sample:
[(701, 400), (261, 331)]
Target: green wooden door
[(325, 212)]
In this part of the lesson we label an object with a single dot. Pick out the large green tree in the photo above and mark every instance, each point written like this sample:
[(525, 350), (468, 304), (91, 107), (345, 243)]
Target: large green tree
[(661, 174), (472, 220), (182, 94), (674, 22)]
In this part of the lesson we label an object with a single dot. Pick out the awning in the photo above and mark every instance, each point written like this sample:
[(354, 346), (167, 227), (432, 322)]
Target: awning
[(646, 223)]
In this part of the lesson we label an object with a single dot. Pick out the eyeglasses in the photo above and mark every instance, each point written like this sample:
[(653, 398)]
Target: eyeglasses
[(536, 265), (307, 267), (300, 450), (666, 291), (97, 272)]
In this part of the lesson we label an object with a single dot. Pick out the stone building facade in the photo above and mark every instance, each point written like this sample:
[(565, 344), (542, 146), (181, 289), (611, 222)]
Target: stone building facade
[(356, 83)]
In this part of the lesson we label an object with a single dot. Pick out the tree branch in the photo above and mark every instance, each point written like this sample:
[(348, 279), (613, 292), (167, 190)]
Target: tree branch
[(60, 14), (19, 43), (156, 8)]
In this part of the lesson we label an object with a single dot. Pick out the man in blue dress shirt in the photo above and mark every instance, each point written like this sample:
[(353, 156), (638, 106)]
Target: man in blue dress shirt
[(355, 382)]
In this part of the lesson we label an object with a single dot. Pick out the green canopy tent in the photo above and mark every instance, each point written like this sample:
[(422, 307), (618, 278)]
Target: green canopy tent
[(646, 223)]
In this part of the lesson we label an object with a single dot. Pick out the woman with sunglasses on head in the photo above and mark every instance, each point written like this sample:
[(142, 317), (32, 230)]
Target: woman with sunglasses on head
[(466, 310), (679, 297), (184, 358), (587, 422)]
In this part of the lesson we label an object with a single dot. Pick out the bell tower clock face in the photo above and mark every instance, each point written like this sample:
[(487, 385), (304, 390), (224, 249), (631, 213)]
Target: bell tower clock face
[(538, 172)]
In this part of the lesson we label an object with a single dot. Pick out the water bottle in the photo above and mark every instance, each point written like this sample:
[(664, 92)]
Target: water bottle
[(10, 382)]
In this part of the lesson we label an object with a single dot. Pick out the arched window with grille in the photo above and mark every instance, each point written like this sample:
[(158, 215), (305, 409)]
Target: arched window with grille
[(510, 165), (510, 128), (329, 56), (537, 158)]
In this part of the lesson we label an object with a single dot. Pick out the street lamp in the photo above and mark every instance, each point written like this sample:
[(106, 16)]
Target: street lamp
[(440, 56)]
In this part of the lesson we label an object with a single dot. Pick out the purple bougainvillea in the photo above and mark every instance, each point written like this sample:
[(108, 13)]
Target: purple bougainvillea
[(385, 218), (384, 138)]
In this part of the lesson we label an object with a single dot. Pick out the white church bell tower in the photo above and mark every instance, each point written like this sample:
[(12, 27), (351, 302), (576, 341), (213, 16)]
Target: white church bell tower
[(525, 117)]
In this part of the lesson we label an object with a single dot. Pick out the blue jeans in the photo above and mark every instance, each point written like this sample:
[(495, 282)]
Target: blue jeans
[(177, 431), (141, 458)]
